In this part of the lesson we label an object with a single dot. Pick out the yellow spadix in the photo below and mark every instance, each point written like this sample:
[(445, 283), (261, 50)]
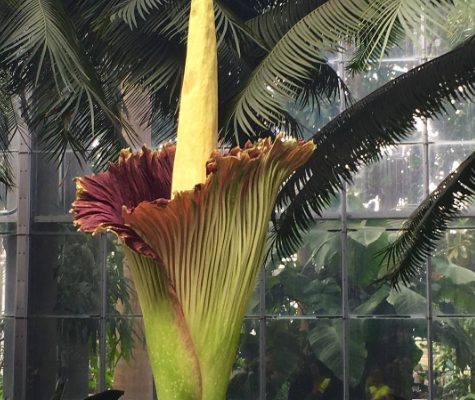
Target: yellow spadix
[(198, 117)]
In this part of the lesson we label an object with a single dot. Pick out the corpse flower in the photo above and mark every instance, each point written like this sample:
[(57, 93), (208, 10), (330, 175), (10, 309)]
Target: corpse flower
[(194, 258)]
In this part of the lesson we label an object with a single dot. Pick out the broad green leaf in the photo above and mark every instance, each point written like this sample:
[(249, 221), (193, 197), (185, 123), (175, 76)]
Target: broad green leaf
[(407, 302), (453, 298), (458, 275), (326, 340), (368, 307), (366, 237)]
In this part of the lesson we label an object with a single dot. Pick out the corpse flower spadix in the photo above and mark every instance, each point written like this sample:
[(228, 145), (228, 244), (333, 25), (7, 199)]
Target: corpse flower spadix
[(195, 258)]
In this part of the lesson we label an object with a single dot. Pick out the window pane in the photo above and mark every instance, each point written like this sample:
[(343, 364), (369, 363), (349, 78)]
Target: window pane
[(313, 116), (445, 158), (7, 274), (244, 381), (458, 123), (304, 359), (393, 186), (453, 273), (65, 274), (384, 355), (62, 349), (366, 295), (453, 349), (309, 282), (54, 188)]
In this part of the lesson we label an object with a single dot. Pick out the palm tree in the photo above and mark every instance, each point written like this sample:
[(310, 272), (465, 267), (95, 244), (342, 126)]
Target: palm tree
[(71, 63)]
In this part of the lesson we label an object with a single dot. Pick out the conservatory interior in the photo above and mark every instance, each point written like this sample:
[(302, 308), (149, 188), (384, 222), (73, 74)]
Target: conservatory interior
[(324, 320)]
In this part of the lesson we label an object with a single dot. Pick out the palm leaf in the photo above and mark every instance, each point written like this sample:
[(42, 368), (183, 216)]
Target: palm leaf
[(128, 10), (272, 25), (9, 126), (40, 42), (283, 73), (461, 21), (429, 222), (230, 27), (388, 22), (359, 135)]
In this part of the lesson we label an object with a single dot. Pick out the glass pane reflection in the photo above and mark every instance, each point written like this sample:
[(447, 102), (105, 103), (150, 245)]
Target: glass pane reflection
[(394, 184)]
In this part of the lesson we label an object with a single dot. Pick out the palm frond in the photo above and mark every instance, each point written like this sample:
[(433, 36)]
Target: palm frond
[(359, 135), (429, 223), (9, 126), (42, 30), (128, 10), (231, 28), (387, 22), (272, 25), (280, 76), (41, 44), (66, 123), (461, 21), (288, 67)]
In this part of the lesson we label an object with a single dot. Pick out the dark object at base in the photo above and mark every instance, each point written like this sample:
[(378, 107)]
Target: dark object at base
[(107, 395)]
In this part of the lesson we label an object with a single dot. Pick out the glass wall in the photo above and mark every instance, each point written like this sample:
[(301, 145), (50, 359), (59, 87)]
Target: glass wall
[(317, 327)]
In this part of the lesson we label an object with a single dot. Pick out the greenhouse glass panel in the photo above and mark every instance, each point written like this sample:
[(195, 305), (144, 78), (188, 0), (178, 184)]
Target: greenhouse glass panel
[(453, 273), (304, 358), (454, 358), (385, 355), (65, 273), (445, 158), (308, 282), (315, 115), (394, 185), (7, 274), (244, 382), (62, 351), (364, 83), (366, 295), (54, 187), (121, 294), (458, 124)]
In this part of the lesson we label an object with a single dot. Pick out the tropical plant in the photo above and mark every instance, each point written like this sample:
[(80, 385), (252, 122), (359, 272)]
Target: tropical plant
[(301, 352), (195, 257), (76, 58), (309, 285)]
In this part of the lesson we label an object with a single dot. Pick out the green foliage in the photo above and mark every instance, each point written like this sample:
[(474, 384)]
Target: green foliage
[(388, 114), (327, 343), (308, 284), (79, 273)]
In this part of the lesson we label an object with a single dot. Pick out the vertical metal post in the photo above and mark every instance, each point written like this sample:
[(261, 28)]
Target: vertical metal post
[(429, 268), (103, 316), (344, 267), (22, 264), (262, 334), (425, 157)]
